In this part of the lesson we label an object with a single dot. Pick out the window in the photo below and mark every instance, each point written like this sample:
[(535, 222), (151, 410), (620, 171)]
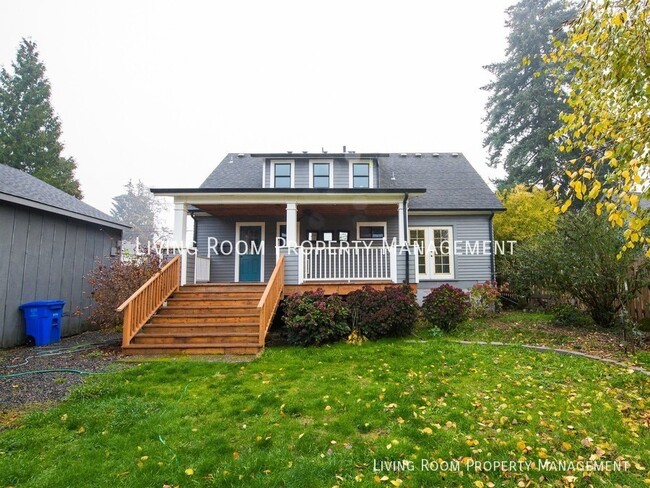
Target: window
[(320, 175), (371, 230), (282, 175), (360, 175)]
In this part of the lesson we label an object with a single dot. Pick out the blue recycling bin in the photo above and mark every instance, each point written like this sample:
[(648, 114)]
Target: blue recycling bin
[(43, 321)]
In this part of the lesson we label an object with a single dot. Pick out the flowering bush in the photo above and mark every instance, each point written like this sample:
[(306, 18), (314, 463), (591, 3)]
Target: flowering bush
[(484, 299), (313, 318), (445, 307), (379, 313), (112, 284)]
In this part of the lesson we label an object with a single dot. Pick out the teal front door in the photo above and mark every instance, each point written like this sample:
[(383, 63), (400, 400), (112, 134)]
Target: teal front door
[(250, 253)]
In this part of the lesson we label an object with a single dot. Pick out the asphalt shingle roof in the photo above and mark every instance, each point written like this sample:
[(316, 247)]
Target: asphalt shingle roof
[(27, 188), (450, 180)]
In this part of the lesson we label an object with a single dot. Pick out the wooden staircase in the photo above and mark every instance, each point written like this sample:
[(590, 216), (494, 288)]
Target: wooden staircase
[(204, 319)]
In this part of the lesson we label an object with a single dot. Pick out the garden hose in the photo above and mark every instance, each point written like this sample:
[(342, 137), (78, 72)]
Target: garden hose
[(24, 373)]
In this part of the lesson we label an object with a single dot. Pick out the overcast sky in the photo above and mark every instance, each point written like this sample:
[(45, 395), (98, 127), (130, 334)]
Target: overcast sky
[(161, 91)]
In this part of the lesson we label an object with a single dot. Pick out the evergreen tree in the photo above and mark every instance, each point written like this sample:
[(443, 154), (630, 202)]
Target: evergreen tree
[(140, 209), (30, 131), (523, 110)]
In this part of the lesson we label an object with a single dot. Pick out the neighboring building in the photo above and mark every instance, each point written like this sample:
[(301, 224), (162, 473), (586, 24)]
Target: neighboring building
[(49, 241), (341, 200)]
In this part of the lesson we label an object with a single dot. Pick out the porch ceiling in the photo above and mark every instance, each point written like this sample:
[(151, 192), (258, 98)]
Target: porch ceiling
[(279, 210)]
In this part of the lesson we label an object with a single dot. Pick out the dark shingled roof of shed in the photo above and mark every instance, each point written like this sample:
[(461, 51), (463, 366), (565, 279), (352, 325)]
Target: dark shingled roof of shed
[(28, 188), (450, 180)]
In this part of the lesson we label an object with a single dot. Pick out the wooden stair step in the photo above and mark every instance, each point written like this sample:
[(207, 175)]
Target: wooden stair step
[(215, 302), (242, 318), (234, 348), (225, 328), (202, 338), (202, 310), (216, 294)]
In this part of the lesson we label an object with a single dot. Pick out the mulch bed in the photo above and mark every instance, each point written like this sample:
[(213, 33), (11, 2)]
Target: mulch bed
[(90, 351), (593, 340)]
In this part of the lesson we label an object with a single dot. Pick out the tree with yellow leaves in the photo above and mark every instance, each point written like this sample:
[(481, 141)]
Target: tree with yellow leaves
[(603, 72)]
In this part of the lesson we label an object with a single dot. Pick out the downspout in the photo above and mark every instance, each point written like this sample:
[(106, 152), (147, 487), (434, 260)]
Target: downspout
[(406, 236), (195, 235), (492, 273)]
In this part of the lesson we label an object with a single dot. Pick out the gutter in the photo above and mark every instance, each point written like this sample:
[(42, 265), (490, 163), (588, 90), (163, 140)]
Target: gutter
[(406, 235), (492, 273)]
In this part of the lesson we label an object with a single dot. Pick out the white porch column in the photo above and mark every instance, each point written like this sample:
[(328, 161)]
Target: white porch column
[(180, 224), (292, 225), (180, 232), (401, 223)]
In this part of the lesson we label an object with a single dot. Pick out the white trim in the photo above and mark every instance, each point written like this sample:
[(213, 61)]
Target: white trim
[(352, 162), (419, 275), (372, 224), (321, 161), (281, 197), (264, 174), (238, 226), (282, 161)]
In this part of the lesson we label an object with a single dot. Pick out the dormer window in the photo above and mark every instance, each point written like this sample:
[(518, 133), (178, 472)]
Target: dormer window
[(361, 174), (282, 174), (321, 174)]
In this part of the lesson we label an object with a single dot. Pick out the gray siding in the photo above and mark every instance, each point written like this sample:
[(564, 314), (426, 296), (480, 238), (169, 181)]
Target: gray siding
[(189, 272), (468, 269), (46, 257)]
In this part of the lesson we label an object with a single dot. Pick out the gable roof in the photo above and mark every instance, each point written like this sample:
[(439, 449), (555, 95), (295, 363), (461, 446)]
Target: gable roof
[(450, 180), (24, 189)]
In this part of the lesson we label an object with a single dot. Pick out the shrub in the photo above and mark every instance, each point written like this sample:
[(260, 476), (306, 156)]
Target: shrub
[(313, 318), (112, 284), (380, 313), (570, 316), (445, 307), (484, 299)]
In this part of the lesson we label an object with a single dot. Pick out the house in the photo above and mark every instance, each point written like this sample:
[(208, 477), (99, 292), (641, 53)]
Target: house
[(316, 220), (49, 241)]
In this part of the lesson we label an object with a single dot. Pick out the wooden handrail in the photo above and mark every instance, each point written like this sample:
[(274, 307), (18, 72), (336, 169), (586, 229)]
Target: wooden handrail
[(141, 305), (270, 300)]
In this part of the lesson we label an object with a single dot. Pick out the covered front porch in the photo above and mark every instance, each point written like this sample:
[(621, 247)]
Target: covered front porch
[(324, 238)]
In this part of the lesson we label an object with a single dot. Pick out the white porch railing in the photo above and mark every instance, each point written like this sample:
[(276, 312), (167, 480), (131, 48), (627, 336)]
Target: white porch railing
[(347, 263), (201, 269)]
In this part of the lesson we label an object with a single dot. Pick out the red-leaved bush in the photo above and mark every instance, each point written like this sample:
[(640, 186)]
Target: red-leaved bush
[(311, 318), (392, 311), (445, 307), (112, 284)]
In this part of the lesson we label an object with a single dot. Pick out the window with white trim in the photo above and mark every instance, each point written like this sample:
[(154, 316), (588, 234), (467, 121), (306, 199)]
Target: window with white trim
[(368, 231), (361, 175), (282, 175), (321, 174)]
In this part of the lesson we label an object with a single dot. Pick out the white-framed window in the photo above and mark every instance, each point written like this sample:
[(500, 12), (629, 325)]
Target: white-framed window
[(361, 175), (371, 231), (435, 251), (321, 173), (282, 174), (281, 231)]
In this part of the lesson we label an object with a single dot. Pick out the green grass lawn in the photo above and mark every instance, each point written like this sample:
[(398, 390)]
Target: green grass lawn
[(326, 416)]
